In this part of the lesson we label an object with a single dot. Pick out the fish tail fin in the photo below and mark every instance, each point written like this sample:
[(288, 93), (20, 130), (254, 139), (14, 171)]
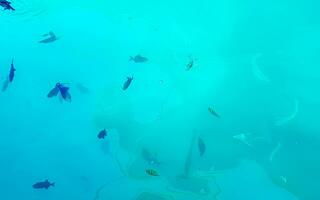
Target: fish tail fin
[(53, 184)]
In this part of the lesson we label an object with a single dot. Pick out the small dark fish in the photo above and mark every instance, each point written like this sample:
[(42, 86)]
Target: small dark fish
[(190, 65), (6, 5), (63, 90), (43, 185), (52, 37), (152, 172), (213, 112), (191, 62), (12, 71), (10, 77), (102, 134), (138, 59), (201, 146), (127, 83), (151, 158)]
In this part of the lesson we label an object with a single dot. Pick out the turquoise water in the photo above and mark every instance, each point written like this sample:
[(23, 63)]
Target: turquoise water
[(225, 107)]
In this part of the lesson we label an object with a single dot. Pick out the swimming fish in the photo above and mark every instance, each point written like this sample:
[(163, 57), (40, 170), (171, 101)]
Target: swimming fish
[(6, 5), (43, 185), (152, 172), (213, 112), (63, 90), (52, 37), (201, 146), (151, 158), (102, 134), (127, 83), (190, 65), (12, 71), (138, 59), (10, 77), (191, 62)]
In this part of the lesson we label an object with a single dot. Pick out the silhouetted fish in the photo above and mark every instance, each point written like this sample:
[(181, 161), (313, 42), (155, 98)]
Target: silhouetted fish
[(138, 59), (190, 64), (52, 37), (213, 112), (43, 185), (201, 146), (6, 5), (10, 77), (102, 134), (152, 172), (12, 72), (127, 83), (63, 90)]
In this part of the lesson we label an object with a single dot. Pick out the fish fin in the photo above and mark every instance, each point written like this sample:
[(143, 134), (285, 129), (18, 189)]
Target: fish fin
[(53, 92), (53, 184)]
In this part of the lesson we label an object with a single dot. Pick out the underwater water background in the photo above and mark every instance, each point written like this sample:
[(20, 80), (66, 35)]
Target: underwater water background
[(241, 123)]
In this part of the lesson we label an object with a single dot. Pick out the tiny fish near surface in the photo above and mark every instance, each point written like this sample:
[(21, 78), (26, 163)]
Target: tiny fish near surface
[(213, 112), (43, 185), (102, 134), (152, 172), (138, 59), (52, 37), (127, 83), (63, 90), (12, 72), (10, 77), (6, 5)]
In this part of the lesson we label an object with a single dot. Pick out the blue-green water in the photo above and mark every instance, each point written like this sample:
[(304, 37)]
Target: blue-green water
[(240, 124)]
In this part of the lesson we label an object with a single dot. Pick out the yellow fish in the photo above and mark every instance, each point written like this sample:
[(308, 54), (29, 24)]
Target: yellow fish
[(152, 172)]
